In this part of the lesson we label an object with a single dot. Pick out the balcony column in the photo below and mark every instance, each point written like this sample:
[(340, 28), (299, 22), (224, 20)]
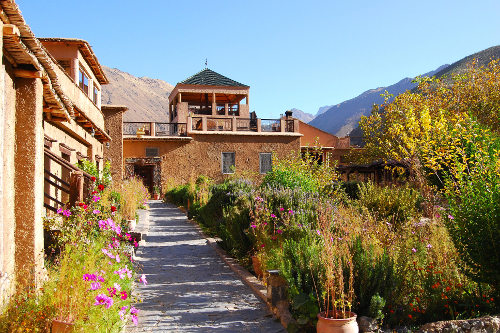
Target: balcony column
[(214, 105), (152, 129), (282, 125), (259, 125), (226, 109), (204, 124), (189, 124), (296, 125), (233, 124)]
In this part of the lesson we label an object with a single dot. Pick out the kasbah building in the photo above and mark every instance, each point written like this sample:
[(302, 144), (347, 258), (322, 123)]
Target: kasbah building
[(51, 117)]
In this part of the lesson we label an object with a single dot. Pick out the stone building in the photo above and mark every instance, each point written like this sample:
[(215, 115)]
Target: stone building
[(211, 133), (50, 118)]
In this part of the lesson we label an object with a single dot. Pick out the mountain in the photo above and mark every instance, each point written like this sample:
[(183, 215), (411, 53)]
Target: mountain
[(323, 109), (342, 118), (146, 98), (483, 58), (305, 117)]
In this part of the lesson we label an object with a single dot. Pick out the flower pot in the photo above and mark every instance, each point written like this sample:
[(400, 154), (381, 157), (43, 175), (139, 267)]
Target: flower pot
[(329, 325), (131, 225), (257, 268), (62, 327), (156, 196)]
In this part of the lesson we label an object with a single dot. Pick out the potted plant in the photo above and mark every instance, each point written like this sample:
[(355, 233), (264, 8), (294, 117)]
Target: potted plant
[(157, 191), (338, 293)]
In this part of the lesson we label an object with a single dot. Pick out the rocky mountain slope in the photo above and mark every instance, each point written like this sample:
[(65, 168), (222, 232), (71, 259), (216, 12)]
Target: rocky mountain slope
[(146, 98), (299, 114), (342, 118)]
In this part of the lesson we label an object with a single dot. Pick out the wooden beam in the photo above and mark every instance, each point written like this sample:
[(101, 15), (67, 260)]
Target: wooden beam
[(24, 73), (11, 30), (9, 58)]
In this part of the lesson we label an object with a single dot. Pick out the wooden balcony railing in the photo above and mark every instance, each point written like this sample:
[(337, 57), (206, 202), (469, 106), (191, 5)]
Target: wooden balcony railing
[(154, 129)]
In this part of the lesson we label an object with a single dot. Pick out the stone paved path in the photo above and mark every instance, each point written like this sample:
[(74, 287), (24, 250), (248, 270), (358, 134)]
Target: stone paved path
[(190, 288)]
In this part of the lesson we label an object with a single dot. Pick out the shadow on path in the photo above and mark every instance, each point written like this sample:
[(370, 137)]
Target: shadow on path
[(190, 288)]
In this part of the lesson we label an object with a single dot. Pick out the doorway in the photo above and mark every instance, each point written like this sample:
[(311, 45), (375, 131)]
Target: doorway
[(145, 172)]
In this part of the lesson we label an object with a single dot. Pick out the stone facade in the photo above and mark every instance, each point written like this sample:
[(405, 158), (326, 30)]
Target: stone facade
[(183, 159), (48, 122), (113, 122)]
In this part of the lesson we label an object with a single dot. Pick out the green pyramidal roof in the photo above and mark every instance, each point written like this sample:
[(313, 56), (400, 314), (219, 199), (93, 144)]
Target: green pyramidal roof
[(208, 77)]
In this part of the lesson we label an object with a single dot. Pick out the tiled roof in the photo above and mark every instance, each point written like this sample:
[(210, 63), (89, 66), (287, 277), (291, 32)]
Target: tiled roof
[(208, 77)]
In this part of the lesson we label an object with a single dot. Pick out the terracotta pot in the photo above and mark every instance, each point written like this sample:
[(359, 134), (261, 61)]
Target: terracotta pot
[(156, 196), (257, 268), (62, 327), (329, 325)]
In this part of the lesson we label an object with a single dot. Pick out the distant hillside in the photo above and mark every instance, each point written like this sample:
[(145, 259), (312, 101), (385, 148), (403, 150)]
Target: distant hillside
[(147, 99), (483, 57), (342, 118), (323, 109), (305, 117)]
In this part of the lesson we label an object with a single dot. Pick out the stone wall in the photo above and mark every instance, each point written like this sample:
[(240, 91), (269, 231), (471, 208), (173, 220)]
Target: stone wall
[(184, 160), (113, 122)]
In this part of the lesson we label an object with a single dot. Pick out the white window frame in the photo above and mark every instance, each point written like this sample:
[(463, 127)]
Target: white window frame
[(267, 155), (231, 170)]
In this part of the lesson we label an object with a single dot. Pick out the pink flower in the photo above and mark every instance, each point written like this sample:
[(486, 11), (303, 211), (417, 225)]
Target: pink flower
[(429, 246), (133, 310), (89, 277), (112, 291), (117, 286), (95, 286), (272, 215), (66, 213), (290, 212), (117, 258), (450, 217), (135, 243), (253, 225), (279, 231), (282, 209), (124, 295), (143, 279), (263, 245), (318, 232), (122, 312), (96, 211), (414, 250), (134, 319), (95, 198), (102, 299), (265, 223)]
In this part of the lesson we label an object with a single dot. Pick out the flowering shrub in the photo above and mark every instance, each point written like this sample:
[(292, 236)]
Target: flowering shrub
[(90, 282)]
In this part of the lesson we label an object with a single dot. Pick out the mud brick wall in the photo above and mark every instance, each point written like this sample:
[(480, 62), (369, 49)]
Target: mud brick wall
[(185, 160)]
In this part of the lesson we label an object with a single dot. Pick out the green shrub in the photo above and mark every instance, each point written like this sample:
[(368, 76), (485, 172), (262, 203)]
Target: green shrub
[(398, 204), (351, 188)]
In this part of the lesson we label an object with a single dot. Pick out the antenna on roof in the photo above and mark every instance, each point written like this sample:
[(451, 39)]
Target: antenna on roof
[(206, 63)]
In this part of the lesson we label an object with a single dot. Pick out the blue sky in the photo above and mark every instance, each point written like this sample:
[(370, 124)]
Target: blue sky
[(292, 54)]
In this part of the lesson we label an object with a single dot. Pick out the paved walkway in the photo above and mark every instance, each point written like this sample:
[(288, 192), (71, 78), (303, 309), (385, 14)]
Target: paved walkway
[(190, 288)]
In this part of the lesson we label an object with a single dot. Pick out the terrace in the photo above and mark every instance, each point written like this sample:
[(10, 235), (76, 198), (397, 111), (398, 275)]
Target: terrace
[(212, 125)]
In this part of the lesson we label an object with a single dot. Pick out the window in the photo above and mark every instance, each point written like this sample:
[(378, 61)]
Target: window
[(84, 81), (265, 162), (152, 152), (228, 164)]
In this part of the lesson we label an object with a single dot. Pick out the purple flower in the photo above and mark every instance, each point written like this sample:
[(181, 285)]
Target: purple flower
[(89, 277), (282, 209), (318, 232), (253, 225), (272, 215), (438, 216), (143, 279), (429, 246), (290, 212), (265, 223), (96, 211), (66, 213), (279, 231), (102, 299), (95, 198), (414, 250), (450, 217)]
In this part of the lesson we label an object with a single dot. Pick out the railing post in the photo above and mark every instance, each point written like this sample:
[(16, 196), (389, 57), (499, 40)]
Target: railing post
[(152, 129), (259, 125), (189, 125), (233, 124), (282, 125), (75, 188), (296, 126), (204, 124)]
